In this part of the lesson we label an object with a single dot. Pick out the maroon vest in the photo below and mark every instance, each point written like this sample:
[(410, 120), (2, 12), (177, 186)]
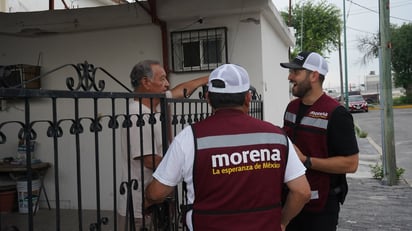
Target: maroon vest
[(238, 173), (310, 136)]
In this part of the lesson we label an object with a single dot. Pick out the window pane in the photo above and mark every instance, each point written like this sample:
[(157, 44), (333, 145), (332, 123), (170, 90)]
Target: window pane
[(198, 50), (191, 54), (211, 51)]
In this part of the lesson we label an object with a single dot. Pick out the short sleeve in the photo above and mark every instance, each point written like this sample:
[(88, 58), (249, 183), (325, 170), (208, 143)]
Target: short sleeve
[(176, 164), (169, 94), (294, 167), (341, 133)]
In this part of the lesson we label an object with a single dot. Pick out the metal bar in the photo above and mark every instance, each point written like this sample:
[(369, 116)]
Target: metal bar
[(27, 140), (17, 93), (77, 125), (129, 206), (55, 127), (97, 166), (113, 119)]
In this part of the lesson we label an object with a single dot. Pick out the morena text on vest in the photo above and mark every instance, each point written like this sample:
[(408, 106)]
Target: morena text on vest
[(245, 157)]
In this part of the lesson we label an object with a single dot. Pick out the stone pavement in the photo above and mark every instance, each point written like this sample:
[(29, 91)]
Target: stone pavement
[(371, 205)]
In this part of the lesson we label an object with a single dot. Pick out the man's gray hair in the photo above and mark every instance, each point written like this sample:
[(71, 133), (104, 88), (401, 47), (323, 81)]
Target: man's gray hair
[(141, 70)]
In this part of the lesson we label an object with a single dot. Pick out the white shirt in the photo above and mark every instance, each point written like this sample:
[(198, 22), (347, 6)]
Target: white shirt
[(135, 152)]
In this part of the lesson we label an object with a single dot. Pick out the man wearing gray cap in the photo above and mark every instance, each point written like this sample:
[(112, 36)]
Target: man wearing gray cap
[(323, 132), (233, 164)]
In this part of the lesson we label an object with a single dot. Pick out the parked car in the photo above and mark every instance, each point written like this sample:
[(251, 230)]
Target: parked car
[(357, 103)]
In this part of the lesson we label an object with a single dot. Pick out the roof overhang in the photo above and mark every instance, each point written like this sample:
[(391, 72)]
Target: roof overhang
[(43, 23)]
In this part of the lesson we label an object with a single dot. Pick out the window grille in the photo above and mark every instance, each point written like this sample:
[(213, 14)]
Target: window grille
[(199, 50)]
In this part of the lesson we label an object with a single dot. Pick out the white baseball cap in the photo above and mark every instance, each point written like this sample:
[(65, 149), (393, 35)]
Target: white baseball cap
[(311, 61), (235, 78)]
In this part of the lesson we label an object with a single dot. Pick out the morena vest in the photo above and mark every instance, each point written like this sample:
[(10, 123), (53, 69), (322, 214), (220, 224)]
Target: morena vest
[(238, 173), (310, 136)]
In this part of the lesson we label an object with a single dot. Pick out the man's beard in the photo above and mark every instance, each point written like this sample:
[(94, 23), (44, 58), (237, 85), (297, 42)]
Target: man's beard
[(301, 89)]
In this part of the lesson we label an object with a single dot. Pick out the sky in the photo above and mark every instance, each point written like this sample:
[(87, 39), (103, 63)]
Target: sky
[(362, 19)]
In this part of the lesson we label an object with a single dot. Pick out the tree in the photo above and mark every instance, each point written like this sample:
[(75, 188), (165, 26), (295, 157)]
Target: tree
[(401, 60), (318, 26), (369, 45)]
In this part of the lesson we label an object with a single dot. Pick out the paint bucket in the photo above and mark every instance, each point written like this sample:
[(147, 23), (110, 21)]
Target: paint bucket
[(23, 195)]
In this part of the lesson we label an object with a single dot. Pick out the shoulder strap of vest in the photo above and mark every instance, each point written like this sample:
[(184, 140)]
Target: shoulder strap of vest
[(287, 146), (194, 154), (285, 188), (187, 207)]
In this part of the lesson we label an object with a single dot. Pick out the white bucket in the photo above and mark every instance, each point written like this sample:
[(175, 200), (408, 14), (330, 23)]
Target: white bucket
[(23, 195)]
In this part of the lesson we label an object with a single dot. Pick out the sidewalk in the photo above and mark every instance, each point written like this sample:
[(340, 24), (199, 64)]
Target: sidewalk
[(370, 205)]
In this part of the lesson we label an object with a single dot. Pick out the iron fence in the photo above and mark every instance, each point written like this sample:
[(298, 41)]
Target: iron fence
[(77, 131)]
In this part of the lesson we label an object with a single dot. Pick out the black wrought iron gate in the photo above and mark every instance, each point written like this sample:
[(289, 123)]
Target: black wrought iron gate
[(78, 131)]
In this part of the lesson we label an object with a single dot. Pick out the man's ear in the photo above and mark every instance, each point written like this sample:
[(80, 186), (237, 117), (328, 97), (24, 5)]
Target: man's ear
[(208, 101), (207, 97), (248, 98), (315, 75), (146, 83)]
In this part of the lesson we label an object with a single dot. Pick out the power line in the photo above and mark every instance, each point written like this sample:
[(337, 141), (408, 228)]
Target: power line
[(363, 31), (364, 7), (393, 6), (397, 3), (406, 20), (375, 11)]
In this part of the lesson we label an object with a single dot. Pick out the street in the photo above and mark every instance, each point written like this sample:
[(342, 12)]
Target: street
[(371, 123), (371, 205)]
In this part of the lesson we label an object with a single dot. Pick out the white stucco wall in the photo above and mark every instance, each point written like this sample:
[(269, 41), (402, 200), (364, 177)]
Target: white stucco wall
[(244, 44), (114, 50), (275, 79)]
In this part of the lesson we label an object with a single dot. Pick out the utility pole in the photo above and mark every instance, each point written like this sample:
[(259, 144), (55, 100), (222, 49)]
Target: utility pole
[(301, 29), (340, 72), (290, 13), (290, 24), (345, 55), (388, 143)]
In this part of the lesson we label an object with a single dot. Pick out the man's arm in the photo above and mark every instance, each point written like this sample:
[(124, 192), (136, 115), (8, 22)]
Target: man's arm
[(298, 196), (190, 86), (156, 192), (335, 164), (151, 161)]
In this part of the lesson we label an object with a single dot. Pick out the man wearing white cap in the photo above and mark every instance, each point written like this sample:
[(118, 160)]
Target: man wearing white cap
[(323, 132), (233, 164)]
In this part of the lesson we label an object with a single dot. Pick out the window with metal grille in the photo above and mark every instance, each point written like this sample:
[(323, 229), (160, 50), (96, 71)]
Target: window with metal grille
[(199, 50)]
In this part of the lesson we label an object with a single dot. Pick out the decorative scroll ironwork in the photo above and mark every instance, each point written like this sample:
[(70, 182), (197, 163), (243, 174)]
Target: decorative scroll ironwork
[(86, 78)]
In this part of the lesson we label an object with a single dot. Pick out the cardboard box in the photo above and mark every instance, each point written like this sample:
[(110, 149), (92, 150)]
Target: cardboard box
[(19, 75)]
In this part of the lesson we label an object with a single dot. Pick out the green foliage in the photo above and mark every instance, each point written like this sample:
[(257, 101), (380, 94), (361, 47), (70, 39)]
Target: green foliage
[(402, 100), (363, 134), (402, 55), (360, 133), (377, 171), (318, 26)]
